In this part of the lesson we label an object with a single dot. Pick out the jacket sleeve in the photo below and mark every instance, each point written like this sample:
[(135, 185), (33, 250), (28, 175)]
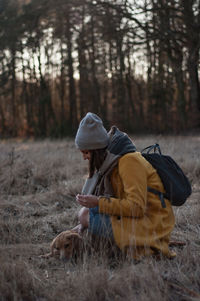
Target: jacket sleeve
[(133, 174)]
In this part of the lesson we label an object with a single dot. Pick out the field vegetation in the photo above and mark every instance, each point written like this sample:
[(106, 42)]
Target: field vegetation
[(38, 184)]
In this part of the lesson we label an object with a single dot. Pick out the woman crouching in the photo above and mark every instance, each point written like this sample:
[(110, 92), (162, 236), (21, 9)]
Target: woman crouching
[(115, 200)]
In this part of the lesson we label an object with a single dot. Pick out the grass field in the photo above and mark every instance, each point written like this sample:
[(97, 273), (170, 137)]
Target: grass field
[(38, 184)]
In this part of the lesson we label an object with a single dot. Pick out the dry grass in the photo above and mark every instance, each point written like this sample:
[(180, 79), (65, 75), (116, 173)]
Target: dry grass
[(38, 182)]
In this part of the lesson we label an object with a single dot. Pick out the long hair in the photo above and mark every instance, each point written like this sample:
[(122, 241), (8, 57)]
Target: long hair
[(96, 160)]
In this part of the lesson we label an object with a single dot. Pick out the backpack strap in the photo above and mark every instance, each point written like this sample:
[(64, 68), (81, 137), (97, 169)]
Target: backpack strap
[(148, 149), (160, 194), (153, 147)]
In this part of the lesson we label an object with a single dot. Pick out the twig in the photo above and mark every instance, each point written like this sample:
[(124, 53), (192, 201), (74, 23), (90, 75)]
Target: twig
[(183, 289), (177, 243)]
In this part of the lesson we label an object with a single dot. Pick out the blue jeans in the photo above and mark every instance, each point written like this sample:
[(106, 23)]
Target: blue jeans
[(100, 224)]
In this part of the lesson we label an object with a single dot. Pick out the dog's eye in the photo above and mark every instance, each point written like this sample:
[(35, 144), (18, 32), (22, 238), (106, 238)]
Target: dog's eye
[(66, 246), (57, 249)]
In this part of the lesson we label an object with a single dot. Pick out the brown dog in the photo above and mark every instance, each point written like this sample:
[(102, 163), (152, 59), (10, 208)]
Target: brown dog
[(66, 245)]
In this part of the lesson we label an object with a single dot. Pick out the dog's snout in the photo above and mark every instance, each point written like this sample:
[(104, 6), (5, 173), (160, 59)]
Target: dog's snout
[(63, 255), (65, 259)]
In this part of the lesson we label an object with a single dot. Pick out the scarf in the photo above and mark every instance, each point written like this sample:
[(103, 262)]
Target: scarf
[(119, 145)]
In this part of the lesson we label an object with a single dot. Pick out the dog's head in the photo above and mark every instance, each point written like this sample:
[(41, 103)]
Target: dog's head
[(66, 245)]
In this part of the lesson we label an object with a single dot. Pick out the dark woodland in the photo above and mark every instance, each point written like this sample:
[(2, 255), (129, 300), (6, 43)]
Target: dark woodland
[(135, 63)]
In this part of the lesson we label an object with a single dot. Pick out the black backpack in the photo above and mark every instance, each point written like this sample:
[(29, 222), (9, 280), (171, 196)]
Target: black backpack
[(176, 184)]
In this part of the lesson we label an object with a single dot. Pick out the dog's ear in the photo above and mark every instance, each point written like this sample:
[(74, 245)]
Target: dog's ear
[(74, 237), (78, 246), (76, 240)]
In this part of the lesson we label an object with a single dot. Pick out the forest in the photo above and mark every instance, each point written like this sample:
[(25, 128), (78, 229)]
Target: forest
[(135, 63)]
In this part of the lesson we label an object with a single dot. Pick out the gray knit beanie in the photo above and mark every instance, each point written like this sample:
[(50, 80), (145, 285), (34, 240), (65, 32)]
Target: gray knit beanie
[(91, 133)]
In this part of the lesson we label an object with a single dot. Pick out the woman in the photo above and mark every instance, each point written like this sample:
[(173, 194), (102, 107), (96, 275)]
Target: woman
[(115, 200)]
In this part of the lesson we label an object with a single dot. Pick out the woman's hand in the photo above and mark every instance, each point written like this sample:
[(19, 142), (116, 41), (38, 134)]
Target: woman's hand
[(88, 201)]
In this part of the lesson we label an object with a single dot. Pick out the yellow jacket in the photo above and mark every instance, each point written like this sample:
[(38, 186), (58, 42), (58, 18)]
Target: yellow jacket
[(140, 224)]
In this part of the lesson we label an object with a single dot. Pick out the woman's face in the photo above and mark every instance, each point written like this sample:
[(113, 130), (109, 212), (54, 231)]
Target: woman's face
[(86, 154)]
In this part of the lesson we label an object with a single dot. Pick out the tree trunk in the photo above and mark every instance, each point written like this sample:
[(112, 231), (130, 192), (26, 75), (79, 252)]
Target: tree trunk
[(25, 96), (72, 91), (121, 93), (13, 95), (192, 22), (95, 84), (62, 88)]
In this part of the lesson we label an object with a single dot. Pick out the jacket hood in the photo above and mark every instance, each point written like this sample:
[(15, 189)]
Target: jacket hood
[(119, 143)]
